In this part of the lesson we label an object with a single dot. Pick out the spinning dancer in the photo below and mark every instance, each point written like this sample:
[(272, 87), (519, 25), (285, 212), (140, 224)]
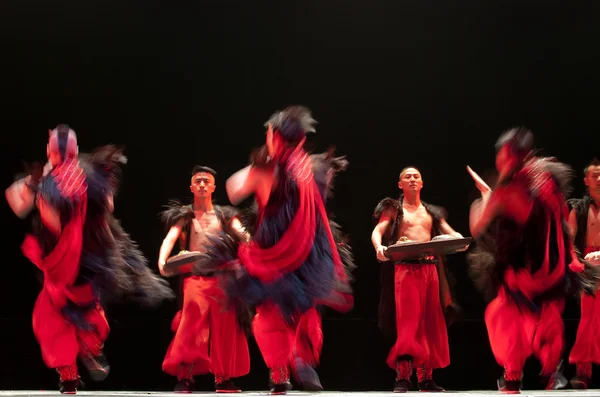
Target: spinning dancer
[(86, 257), (208, 335), (414, 292), (584, 221), (525, 257), (292, 263)]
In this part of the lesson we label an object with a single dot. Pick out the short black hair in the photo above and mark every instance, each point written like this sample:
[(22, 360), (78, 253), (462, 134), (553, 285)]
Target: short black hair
[(594, 163), (292, 123), (203, 168), (519, 140), (62, 135), (407, 167)]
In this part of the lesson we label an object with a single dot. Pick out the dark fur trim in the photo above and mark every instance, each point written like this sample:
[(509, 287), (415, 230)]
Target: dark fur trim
[(561, 173), (174, 212), (226, 214), (344, 249), (107, 162), (249, 218), (144, 287)]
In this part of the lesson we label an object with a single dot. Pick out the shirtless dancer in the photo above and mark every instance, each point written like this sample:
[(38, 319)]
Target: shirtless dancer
[(584, 221), (420, 287), (208, 335)]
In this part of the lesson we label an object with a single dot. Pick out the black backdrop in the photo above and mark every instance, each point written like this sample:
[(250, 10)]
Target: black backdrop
[(392, 83)]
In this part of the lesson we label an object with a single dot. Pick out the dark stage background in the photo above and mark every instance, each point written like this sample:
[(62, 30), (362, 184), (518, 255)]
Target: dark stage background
[(392, 83)]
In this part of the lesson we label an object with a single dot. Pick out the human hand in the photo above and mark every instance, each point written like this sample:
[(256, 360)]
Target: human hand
[(593, 257), (381, 253)]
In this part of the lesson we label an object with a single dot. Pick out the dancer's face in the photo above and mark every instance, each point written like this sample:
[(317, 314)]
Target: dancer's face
[(410, 180), (203, 184), (505, 160), (592, 178)]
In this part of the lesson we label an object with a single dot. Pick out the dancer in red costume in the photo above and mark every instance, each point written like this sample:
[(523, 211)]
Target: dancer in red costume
[(86, 257), (415, 292), (525, 257), (292, 265), (208, 333), (584, 221)]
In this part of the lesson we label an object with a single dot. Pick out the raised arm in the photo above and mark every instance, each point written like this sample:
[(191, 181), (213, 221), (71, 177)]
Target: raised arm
[(167, 246), (239, 230), (241, 185), (20, 197), (493, 204)]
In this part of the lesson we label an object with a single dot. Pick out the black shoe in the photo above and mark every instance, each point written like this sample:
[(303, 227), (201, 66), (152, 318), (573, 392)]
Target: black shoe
[(402, 386), (580, 382), (307, 377), (227, 386), (97, 367), (430, 386), (509, 387), (69, 386), (280, 388), (185, 386)]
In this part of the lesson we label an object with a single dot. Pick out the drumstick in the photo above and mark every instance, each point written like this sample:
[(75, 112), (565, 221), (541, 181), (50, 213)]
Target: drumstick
[(478, 179)]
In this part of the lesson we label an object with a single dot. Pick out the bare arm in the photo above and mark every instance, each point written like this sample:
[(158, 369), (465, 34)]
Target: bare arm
[(167, 246), (572, 224), (20, 197), (239, 230), (49, 216), (110, 198), (241, 185), (378, 232), (493, 204), (447, 229)]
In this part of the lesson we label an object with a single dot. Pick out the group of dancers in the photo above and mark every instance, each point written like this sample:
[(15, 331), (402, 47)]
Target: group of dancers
[(268, 270)]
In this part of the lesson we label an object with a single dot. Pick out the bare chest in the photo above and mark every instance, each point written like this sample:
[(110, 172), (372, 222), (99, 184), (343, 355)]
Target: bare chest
[(416, 224), (593, 227), (203, 225), (419, 217)]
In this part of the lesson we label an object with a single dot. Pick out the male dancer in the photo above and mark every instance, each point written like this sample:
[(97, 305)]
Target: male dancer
[(584, 221), (527, 257), (85, 255), (414, 291), (208, 336), (308, 342), (292, 263)]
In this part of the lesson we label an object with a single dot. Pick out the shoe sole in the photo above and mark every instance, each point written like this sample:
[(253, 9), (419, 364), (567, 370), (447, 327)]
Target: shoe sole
[(579, 385)]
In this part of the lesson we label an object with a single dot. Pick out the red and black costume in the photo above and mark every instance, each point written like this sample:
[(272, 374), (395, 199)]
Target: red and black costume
[(89, 262), (210, 334), (414, 300), (586, 350), (529, 269), (308, 342), (293, 263)]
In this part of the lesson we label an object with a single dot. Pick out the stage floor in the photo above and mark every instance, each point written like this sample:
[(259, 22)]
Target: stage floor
[(475, 393)]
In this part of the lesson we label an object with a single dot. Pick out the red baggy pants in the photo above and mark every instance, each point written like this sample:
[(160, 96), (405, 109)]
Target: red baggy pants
[(208, 337), (420, 323)]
